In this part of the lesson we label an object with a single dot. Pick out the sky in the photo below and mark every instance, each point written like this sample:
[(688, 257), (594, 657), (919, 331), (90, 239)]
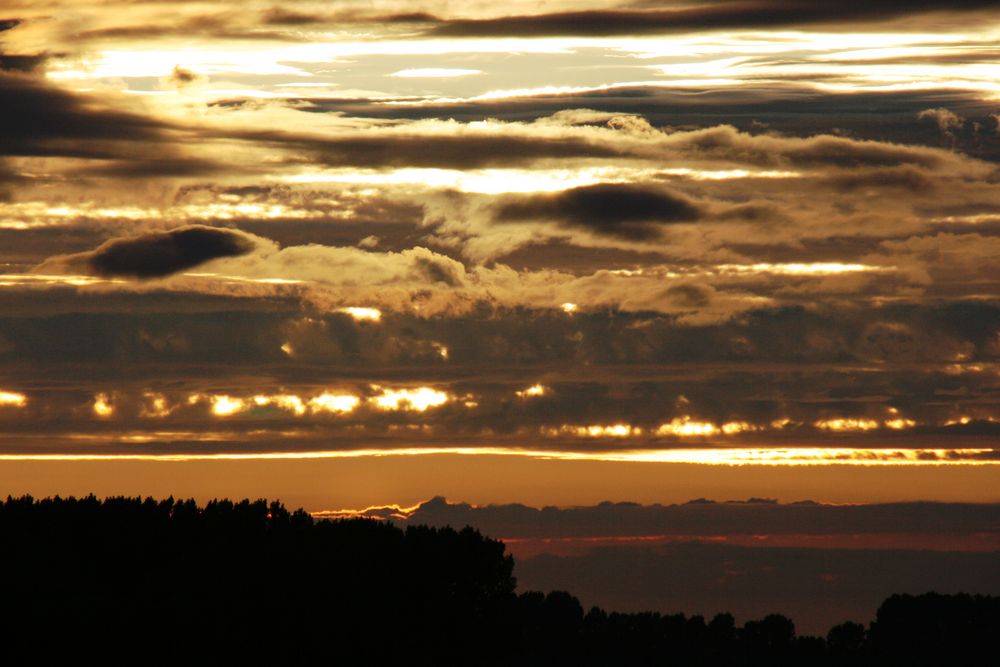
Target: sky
[(362, 254)]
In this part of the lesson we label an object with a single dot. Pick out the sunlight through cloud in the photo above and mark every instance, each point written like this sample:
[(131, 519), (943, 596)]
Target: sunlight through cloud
[(12, 399), (419, 399)]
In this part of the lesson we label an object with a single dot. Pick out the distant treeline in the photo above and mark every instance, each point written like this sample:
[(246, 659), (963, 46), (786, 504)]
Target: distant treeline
[(132, 581)]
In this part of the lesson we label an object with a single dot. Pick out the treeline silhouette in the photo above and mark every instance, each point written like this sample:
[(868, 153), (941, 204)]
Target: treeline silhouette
[(133, 581)]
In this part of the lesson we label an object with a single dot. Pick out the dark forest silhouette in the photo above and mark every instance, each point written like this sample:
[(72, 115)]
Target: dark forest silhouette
[(132, 581)]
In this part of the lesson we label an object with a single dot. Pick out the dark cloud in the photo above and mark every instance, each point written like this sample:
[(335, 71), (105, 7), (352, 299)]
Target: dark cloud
[(708, 519), (900, 178), (287, 17), (707, 16), (623, 210), (562, 254), (160, 254), (690, 294), (281, 16), (602, 367), (221, 25), (786, 106), (181, 77), (451, 150), (21, 63), (42, 120)]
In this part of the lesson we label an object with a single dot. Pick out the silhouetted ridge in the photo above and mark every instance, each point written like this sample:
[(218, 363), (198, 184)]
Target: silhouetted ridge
[(132, 581)]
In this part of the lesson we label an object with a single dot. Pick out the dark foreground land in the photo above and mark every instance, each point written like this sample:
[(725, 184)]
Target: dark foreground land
[(131, 581)]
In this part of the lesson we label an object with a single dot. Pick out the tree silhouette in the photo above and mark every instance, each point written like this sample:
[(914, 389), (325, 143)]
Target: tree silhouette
[(141, 581)]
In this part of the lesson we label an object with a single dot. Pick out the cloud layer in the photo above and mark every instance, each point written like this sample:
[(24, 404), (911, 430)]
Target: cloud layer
[(635, 231)]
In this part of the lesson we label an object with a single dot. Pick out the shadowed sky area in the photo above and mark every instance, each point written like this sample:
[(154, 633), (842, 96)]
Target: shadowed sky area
[(823, 563), (755, 239)]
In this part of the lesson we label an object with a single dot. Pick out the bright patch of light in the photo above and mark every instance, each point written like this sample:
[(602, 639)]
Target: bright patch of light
[(687, 427), (336, 403), (224, 406), (846, 424), (727, 174), (362, 314), (569, 308), (159, 63), (33, 214), (264, 59), (29, 279), (155, 405), (419, 399), (434, 73), (289, 402), (476, 181), (12, 399), (733, 428), (717, 457), (593, 430), (533, 390), (801, 268), (102, 405), (242, 279)]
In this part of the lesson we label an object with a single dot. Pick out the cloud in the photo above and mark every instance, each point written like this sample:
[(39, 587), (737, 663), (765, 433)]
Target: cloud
[(449, 144), (441, 144), (781, 371), (947, 121), (157, 254), (622, 210), (703, 518), (706, 16), (181, 77), (113, 135), (785, 104), (791, 245), (21, 63), (45, 120)]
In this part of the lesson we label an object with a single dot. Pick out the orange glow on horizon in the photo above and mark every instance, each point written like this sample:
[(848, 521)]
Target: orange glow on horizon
[(737, 457)]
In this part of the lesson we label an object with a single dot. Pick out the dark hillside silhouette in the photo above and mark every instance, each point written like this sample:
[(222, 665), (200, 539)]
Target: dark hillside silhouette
[(132, 581)]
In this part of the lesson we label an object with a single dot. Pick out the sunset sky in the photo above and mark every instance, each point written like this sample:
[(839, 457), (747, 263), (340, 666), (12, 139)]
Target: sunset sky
[(354, 254)]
